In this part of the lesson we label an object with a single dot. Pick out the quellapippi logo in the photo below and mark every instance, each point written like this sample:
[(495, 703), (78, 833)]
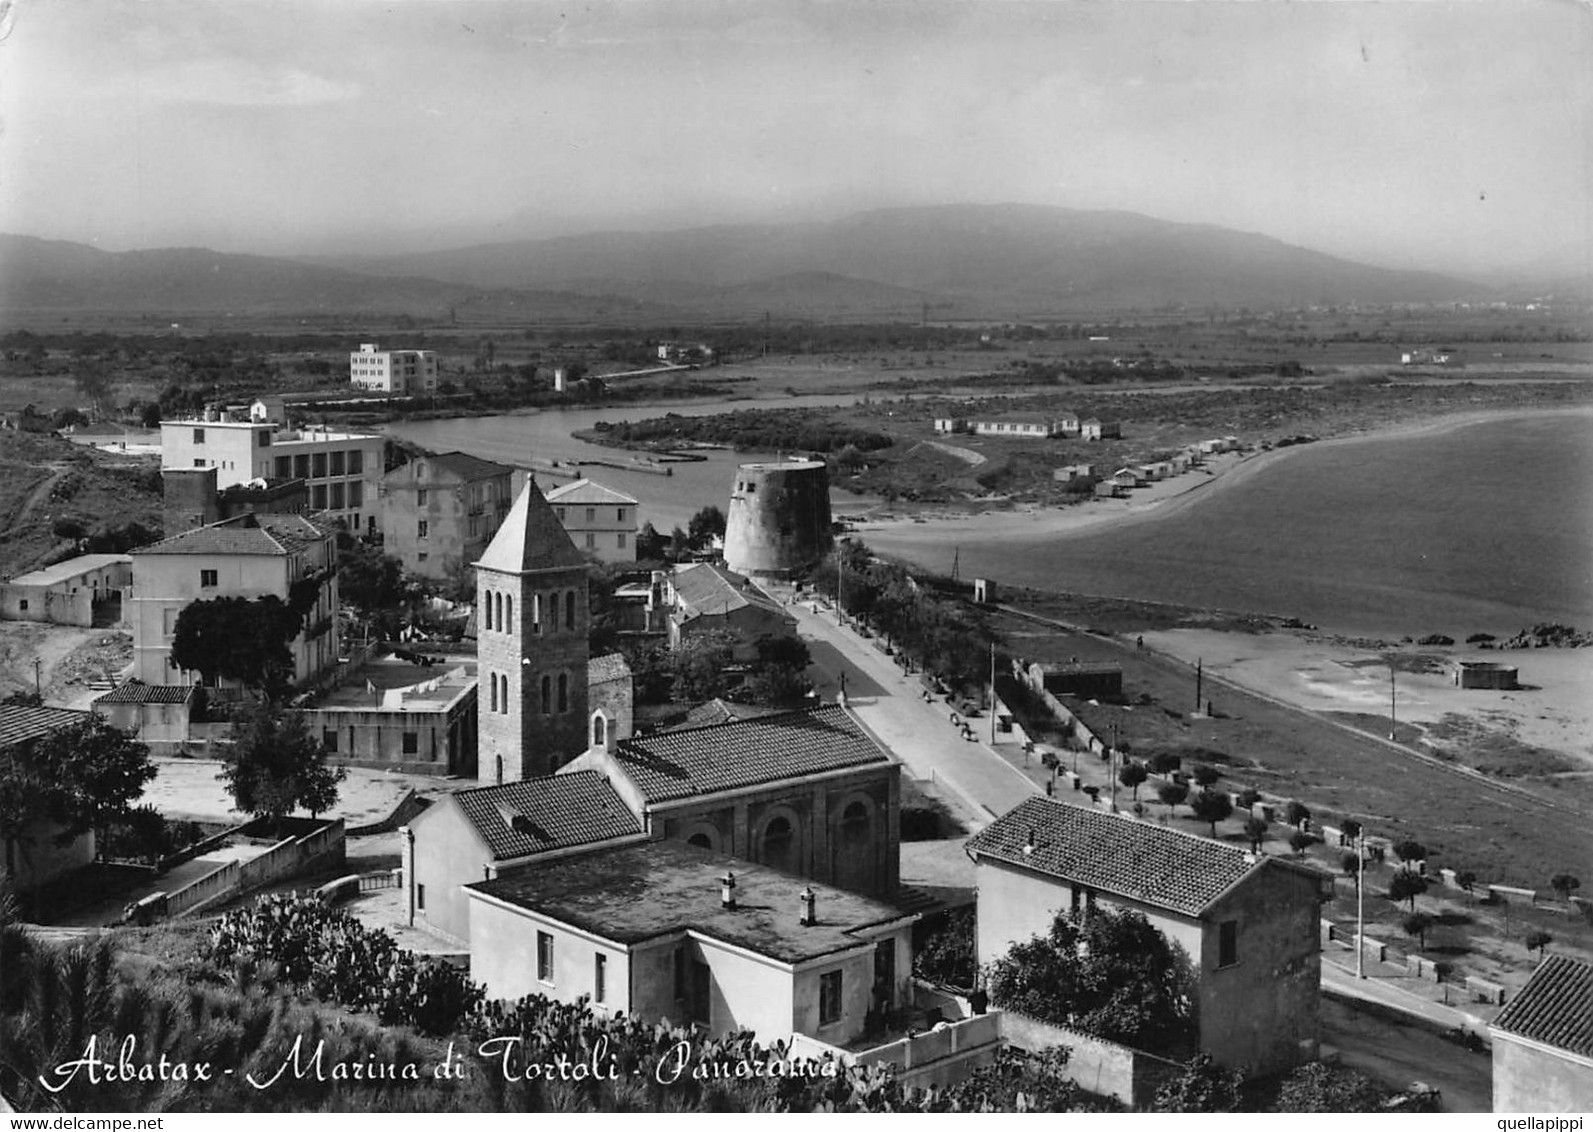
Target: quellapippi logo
[(505, 1054)]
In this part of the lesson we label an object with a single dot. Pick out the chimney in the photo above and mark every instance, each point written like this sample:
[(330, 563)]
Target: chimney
[(727, 890), (1029, 847), (809, 916)]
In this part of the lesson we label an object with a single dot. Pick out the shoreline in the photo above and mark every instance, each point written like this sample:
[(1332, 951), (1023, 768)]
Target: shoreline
[(1149, 503)]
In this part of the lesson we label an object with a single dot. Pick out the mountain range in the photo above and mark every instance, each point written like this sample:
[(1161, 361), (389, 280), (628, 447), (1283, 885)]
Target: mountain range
[(954, 261)]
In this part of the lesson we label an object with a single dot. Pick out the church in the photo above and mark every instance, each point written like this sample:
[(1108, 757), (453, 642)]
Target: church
[(811, 793)]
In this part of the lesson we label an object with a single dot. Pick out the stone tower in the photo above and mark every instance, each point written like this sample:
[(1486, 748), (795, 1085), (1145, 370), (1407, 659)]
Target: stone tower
[(779, 520), (531, 650)]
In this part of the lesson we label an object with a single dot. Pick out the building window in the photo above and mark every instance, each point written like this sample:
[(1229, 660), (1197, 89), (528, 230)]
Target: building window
[(621, 542), (829, 998), (420, 497), (207, 579), (199, 462), (329, 740), (544, 957), (508, 614), (536, 613), (411, 742), (591, 540), (420, 897), (318, 463), (337, 463), (318, 497), (421, 529), (284, 467), (422, 556), (356, 462), (1227, 943), (559, 511), (337, 497), (569, 609), (599, 730), (199, 436), (564, 692), (547, 695), (600, 978), (301, 467), (265, 439), (356, 496), (619, 514), (492, 692)]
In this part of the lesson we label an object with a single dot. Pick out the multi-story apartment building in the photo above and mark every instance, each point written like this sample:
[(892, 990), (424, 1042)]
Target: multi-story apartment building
[(342, 470), (250, 556), (600, 520), (405, 372), (439, 512)]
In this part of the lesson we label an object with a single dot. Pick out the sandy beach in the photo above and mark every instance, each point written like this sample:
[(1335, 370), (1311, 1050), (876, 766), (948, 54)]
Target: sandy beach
[(1155, 501)]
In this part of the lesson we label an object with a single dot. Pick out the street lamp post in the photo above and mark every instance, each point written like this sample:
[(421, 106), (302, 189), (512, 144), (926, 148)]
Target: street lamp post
[(1360, 906)]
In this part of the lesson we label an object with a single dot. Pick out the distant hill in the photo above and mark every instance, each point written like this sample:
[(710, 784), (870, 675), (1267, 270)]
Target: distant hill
[(974, 258), (55, 276), (956, 260)]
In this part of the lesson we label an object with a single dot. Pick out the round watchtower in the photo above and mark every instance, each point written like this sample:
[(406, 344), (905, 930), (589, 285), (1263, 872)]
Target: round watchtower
[(779, 519)]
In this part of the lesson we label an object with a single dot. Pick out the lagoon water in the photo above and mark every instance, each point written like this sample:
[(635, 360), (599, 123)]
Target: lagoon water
[(1483, 528)]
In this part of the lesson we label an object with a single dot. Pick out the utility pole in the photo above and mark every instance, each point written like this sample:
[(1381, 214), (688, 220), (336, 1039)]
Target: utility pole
[(1111, 767), (1200, 665), (992, 693), (38, 683), (840, 580), (1360, 906)]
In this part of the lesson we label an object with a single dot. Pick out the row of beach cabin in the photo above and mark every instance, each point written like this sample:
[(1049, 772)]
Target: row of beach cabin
[(1068, 424), (1086, 477)]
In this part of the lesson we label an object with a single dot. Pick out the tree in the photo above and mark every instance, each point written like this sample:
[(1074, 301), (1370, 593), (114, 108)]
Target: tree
[(1300, 841), (1211, 807), (679, 544), (1351, 830), (1133, 776), (1165, 762), (276, 766), (1407, 886), (1202, 1086), (649, 544), (947, 955), (1206, 775), (1256, 833), (1171, 794), (1416, 924), (1106, 972), (1564, 884), (704, 526), (1537, 941), (778, 685), (1409, 852), (1296, 813), (77, 778), (1249, 797), (1350, 863), (1466, 879), (1315, 1087), (369, 580), (235, 638), (698, 667)]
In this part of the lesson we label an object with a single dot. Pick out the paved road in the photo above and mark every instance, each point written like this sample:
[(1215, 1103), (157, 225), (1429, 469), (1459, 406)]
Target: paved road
[(891, 704), (1339, 977)]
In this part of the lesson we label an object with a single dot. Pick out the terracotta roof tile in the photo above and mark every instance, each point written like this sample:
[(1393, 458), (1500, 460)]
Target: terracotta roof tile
[(20, 724), (1555, 1007), (136, 693), (1165, 868), (725, 756), (249, 533), (536, 815), (609, 666)]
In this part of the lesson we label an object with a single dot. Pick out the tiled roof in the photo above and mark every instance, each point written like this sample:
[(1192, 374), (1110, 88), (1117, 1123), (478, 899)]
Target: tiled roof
[(466, 466), (609, 666), (658, 888), (706, 760), (135, 693), (725, 711), (249, 533), (554, 812), (586, 491), (1165, 868), (706, 588), (531, 538), (20, 724), (1555, 1007)]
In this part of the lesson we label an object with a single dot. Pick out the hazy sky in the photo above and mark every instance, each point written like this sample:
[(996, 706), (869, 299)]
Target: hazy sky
[(1455, 135)]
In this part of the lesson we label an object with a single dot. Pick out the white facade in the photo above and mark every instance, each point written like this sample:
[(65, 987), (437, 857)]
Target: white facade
[(342, 470), (404, 372), (599, 520)]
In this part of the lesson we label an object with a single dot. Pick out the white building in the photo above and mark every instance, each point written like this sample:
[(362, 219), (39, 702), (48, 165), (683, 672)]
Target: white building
[(405, 372), (600, 520), (342, 471)]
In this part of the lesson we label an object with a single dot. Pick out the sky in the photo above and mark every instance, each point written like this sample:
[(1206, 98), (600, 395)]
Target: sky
[(1434, 134)]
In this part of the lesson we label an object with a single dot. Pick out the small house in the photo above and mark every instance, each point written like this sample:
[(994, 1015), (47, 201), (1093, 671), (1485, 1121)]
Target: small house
[(1543, 1041), (1097, 429)]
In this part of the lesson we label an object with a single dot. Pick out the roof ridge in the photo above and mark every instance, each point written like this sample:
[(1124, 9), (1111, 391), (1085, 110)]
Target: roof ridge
[(1121, 816), (771, 717)]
